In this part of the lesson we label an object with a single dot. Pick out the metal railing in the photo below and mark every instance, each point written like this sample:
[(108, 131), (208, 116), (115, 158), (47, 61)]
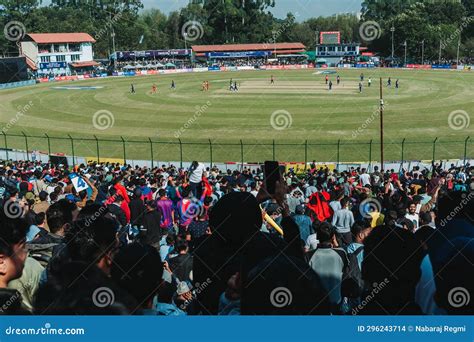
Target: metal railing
[(340, 151)]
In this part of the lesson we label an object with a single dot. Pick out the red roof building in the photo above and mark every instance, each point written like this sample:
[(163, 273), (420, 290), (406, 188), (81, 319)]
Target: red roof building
[(59, 54)]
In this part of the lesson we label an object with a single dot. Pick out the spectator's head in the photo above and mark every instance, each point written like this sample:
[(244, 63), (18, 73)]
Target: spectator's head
[(425, 218), (236, 217), (392, 257), (81, 289), (40, 219), (138, 270), (325, 233), (12, 248), (345, 202), (60, 216), (181, 246), (118, 199), (94, 241), (162, 193), (43, 196), (283, 285), (360, 230), (412, 208)]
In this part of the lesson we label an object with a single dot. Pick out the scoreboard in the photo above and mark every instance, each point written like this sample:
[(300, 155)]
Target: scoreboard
[(13, 69), (330, 37)]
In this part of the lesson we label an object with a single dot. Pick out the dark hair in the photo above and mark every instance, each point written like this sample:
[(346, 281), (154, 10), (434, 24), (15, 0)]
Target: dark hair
[(358, 227), (285, 278), (170, 239), (39, 218), (325, 232), (162, 192), (344, 201), (425, 217), (138, 269), (59, 214), (181, 245), (90, 239), (77, 289), (12, 232), (43, 195)]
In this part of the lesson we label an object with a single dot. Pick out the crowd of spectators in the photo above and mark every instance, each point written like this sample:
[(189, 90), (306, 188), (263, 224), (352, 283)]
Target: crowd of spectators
[(204, 241)]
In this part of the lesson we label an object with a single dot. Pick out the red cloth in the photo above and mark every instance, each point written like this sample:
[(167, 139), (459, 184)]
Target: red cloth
[(319, 205), (207, 188), (122, 192)]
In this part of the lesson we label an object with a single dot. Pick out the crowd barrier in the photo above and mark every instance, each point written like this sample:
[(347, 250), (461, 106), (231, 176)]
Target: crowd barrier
[(16, 84)]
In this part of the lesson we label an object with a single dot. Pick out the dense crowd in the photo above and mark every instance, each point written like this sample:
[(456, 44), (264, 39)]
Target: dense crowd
[(116, 239)]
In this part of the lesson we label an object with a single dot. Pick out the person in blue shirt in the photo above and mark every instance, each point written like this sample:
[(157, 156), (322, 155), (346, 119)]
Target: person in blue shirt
[(304, 223)]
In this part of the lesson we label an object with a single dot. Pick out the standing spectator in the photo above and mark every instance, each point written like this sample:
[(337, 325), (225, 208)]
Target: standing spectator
[(196, 172), (165, 207), (328, 261), (343, 220)]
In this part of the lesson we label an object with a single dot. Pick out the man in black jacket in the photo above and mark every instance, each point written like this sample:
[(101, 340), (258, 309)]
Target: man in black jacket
[(151, 224)]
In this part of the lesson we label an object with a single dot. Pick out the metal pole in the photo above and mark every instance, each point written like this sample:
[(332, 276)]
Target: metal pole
[(459, 46), (49, 144), (305, 154), (180, 153), (381, 125), (423, 52), (440, 48), (241, 154), (465, 149), (338, 148), (113, 48), (6, 144), (210, 150), (26, 145), (370, 154), (72, 149), (403, 151), (405, 53), (124, 152), (434, 147), (273, 147), (151, 152), (393, 44), (97, 147)]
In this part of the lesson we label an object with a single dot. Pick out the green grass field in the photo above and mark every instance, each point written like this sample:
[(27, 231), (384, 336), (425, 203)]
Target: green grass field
[(419, 111)]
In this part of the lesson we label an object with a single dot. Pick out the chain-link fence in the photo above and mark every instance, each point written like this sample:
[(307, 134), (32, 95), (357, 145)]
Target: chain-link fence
[(105, 149)]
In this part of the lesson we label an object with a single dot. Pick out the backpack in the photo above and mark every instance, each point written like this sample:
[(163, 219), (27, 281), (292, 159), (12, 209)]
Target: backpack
[(352, 283)]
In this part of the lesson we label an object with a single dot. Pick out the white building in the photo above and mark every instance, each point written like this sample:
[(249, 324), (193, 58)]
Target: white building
[(58, 53)]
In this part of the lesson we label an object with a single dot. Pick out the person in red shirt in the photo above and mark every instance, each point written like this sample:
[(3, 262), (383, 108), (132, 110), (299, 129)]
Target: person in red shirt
[(122, 191)]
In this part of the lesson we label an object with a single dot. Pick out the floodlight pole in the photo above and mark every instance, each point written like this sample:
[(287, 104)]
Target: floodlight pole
[(381, 125), (405, 54), (392, 29), (423, 52), (457, 55)]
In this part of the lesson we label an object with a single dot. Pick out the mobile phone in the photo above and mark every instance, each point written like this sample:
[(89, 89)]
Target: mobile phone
[(271, 172)]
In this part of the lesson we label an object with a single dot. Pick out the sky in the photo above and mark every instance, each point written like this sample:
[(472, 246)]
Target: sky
[(304, 8)]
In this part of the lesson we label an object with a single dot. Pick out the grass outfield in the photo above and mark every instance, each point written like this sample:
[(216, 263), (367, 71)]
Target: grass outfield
[(419, 111)]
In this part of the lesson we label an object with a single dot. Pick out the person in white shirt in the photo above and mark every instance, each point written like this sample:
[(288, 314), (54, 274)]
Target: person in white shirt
[(364, 177), (195, 177), (413, 216)]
